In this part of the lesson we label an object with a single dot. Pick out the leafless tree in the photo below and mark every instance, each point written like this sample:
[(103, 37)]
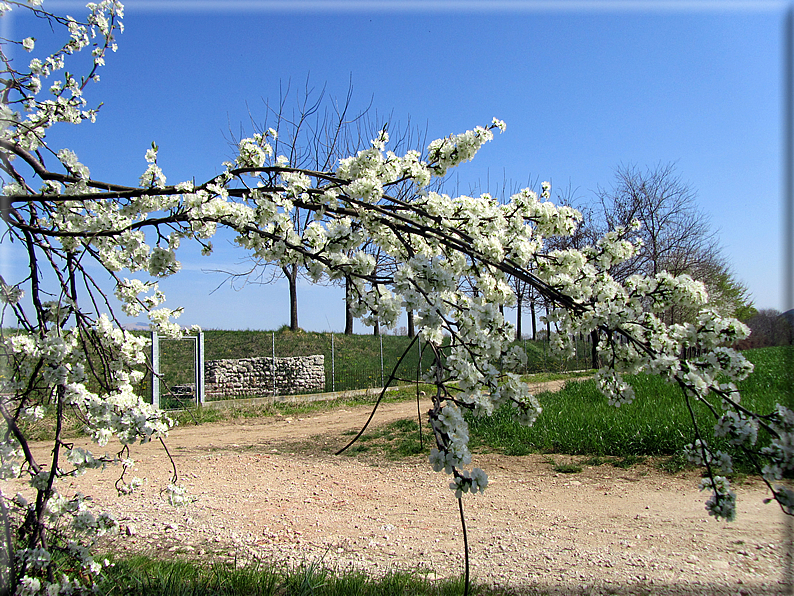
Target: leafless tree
[(677, 236), (314, 134)]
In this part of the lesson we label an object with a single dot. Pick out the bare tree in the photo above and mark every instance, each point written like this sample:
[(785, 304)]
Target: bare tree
[(314, 134), (676, 235)]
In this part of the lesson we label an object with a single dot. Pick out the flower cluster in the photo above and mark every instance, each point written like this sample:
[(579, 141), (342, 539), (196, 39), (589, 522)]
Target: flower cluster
[(698, 453), (153, 177), (722, 503), (254, 152), (28, 126), (456, 149), (465, 482)]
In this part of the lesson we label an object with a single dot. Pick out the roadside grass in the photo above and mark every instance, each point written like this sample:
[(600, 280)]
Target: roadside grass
[(235, 412), (395, 440), (145, 576), (563, 468), (44, 429)]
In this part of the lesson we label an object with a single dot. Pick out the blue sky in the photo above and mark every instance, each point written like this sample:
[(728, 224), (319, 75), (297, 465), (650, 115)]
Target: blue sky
[(584, 87)]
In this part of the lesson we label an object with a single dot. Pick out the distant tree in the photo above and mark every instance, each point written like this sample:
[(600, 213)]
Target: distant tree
[(676, 235), (315, 133), (348, 310), (726, 293), (674, 232), (768, 328), (313, 138)]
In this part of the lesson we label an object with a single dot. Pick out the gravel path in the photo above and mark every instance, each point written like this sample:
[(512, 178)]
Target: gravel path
[(605, 530)]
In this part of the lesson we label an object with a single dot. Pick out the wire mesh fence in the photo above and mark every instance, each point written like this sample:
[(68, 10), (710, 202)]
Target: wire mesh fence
[(350, 361)]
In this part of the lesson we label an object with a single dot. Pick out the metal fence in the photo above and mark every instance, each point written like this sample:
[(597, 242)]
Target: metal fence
[(351, 362)]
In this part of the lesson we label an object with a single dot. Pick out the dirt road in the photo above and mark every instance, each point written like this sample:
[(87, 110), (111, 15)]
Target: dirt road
[(605, 530)]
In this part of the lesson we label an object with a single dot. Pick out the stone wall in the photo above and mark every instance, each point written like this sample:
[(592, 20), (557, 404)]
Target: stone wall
[(253, 377)]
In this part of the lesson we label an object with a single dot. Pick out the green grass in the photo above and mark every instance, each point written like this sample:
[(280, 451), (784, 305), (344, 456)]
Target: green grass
[(628, 461), (143, 576), (561, 468), (578, 420), (395, 440)]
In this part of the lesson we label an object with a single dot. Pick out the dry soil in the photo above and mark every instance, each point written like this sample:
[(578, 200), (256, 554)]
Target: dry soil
[(271, 489)]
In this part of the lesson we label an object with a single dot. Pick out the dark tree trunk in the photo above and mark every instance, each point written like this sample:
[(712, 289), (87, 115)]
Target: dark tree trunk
[(519, 308), (411, 330), (376, 328), (594, 340), (348, 311), (534, 320), (291, 273)]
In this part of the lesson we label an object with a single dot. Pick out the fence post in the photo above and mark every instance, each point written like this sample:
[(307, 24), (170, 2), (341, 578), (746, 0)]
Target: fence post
[(333, 365), (273, 365), (200, 368), (155, 370)]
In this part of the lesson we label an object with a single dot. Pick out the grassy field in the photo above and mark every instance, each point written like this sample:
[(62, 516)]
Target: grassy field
[(574, 421), (578, 420)]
